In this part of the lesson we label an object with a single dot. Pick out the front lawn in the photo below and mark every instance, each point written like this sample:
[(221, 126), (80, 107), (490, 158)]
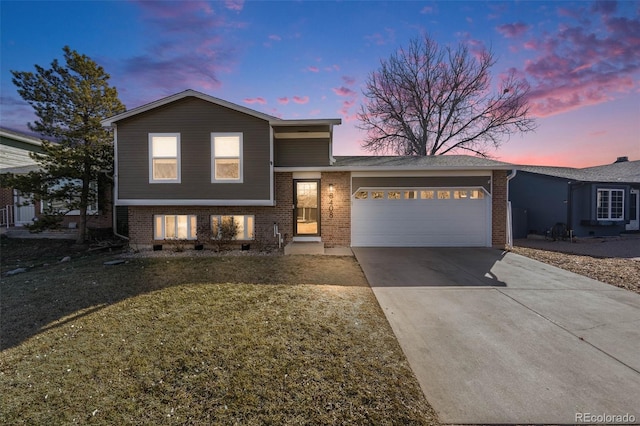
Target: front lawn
[(211, 340)]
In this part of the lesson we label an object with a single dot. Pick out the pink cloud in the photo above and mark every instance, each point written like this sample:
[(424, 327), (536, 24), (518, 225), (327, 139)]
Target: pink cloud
[(381, 39), (275, 37), (258, 100), (579, 66), (185, 33), (350, 81), (313, 69), (343, 91), (300, 99), (283, 101), (236, 5), (345, 111), (513, 30)]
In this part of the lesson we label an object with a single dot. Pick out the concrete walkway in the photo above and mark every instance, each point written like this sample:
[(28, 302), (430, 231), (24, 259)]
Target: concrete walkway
[(497, 338)]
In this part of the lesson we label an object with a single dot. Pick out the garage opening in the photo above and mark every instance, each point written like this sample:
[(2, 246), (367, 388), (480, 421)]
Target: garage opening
[(421, 217)]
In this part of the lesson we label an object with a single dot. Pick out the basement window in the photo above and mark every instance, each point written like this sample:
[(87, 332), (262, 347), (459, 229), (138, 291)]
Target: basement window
[(175, 227), (245, 226)]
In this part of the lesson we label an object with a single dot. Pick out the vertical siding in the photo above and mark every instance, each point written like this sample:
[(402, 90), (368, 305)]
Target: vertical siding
[(195, 120)]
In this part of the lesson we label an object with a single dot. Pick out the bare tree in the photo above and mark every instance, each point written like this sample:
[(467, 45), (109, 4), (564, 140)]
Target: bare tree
[(429, 100)]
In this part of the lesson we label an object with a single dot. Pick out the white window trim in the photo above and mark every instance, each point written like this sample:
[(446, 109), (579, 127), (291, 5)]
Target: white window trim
[(164, 231), (610, 191), (179, 177), (246, 220), (240, 158)]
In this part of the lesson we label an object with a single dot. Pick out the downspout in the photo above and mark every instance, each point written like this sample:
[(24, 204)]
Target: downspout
[(113, 187), (509, 216)]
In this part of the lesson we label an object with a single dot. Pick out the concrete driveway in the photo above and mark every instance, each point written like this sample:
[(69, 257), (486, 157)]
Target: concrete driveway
[(495, 337)]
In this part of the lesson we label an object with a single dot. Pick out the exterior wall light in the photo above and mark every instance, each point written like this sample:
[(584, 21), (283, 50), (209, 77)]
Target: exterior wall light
[(330, 187)]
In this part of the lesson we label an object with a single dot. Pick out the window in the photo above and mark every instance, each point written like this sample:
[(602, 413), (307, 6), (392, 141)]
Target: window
[(610, 204), (427, 195), (377, 195), (460, 195), (71, 189), (245, 226), (393, 195), (164, 157), (444, 195), (175, 227), (226, 153), (362, 195), (477, 194), (410, 195)]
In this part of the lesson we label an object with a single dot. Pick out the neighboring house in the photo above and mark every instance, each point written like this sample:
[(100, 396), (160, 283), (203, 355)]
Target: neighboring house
[(593, 201), (15, 148), (188, 162), (18, 209)]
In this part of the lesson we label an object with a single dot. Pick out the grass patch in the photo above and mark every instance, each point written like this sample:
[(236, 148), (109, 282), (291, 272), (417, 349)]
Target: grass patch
[(238, 340)]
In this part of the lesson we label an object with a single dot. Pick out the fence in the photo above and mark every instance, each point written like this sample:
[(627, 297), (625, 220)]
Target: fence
[(6, 216)]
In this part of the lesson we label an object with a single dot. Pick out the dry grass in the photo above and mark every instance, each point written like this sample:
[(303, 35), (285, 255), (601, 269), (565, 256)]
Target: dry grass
[(623, 273), (237, 340)]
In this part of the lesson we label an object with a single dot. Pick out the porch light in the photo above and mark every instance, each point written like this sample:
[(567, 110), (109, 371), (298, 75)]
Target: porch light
[(330, 187)]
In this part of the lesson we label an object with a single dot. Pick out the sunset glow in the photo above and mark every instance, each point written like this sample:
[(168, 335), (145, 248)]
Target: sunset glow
[(311, 59)]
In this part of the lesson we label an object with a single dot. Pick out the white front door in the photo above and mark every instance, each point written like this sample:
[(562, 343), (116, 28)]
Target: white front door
[(634, 210), (24, 211)]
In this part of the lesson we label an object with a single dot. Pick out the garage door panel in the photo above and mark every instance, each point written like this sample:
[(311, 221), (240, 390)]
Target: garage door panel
[(419, 222)]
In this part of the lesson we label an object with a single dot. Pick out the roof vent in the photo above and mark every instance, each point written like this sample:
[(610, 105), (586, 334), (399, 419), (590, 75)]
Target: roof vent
[(621, 159)]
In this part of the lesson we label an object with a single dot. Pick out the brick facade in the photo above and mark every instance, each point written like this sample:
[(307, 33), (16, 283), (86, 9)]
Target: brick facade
[(335, 214), (141, 218), (499, 209)]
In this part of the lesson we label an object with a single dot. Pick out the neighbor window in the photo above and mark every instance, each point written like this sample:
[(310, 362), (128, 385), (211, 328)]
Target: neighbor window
[(610, 204), (175, 227), (245, 226), (164, 158), (226, 153)]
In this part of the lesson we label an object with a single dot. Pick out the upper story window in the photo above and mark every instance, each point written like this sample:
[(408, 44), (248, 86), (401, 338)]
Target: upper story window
[(610, 204), (164, 157), (226, 161)]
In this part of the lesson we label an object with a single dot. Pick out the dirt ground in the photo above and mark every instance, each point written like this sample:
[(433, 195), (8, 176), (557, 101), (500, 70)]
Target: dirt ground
[(615, 261)]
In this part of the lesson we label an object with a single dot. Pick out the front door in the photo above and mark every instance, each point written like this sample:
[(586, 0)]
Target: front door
[(306, 207), (634, 211)]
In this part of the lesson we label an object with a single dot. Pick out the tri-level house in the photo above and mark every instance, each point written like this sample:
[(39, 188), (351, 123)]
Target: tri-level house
[(189, 162)]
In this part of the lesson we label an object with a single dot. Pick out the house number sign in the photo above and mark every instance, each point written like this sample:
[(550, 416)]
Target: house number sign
[(331, 206)]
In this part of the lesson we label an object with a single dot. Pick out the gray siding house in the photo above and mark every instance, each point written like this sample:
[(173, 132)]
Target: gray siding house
[(593, 201), (186, 163)]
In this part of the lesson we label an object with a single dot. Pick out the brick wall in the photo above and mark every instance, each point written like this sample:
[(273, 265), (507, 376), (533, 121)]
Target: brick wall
[(499, 209), (334, 226), (141, 218), (336, 209)]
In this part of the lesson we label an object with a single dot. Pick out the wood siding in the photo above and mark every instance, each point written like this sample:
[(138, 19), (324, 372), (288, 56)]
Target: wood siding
[(195, 120), (301, 152), (420, 181)]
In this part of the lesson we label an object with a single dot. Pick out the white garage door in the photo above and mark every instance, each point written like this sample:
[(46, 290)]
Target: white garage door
[(421, 217)]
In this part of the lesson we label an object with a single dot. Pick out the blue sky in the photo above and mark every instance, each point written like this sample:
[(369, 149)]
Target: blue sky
[(311, 59)]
